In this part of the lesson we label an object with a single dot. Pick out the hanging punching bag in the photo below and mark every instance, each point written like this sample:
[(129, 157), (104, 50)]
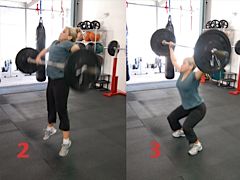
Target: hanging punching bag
[(41, 40), (169, 68), (127, 67)]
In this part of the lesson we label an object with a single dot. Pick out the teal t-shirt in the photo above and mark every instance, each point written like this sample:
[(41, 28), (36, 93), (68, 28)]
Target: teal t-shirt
[(188, 89), (58, 52)]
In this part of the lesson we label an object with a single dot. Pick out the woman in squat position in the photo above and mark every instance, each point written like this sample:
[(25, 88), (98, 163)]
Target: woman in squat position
[(192, 106)]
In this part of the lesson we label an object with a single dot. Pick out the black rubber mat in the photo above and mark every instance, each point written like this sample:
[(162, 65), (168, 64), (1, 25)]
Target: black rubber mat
[(98, 134), (218, 132)]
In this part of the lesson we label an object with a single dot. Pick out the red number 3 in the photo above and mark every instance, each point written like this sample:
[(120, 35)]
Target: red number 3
[(155, 147), (23, 154)]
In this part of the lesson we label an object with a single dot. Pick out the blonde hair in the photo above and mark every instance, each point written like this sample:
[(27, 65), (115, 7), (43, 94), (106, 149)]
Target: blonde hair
[(73, 33), (79, 34), (78, 30), (191, 62)]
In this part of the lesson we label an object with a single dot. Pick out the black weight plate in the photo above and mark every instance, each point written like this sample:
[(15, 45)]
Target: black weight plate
[(88, 25), (85, 25), (81, 45), (90, 46), (223, 24), (72, 70), (237, 47), (156, 41), (215, 24), (21, 60), (208, 25), (79, 24), (112, 47), (96, 24), (82, 25), (99, 48), (207, 41)]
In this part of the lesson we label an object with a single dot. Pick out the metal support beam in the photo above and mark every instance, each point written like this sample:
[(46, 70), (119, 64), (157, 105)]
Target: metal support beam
[(157, 14), (161, 2), (32, 3), (77, 7), (26, 32), (207, 10)]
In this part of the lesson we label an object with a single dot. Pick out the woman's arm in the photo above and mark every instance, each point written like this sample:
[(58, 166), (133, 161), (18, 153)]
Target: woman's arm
[(173, 57), (74, 48), (40, 55), (198, 74)]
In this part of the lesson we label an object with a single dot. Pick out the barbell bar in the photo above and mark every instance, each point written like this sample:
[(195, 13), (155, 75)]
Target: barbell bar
[(49, 63), (113, 47), (164, 42), (219, 52), (61, 66), (214, 51)]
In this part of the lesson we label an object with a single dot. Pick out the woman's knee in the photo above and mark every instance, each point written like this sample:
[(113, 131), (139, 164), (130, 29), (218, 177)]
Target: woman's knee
[(187, 129), (170, 118)]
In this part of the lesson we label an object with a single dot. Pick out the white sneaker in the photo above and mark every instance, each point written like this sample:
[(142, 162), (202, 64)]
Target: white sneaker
[(49, 132), (65, 148), (178, 133), (191, 145), (196, 147)]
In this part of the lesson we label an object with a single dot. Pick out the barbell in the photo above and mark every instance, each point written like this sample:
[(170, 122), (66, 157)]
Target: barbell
[(82, 68), (80, 71), (211, 52)]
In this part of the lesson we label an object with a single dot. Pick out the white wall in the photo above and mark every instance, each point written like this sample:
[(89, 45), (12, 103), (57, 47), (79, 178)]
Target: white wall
[(229, 10), (115, 24), (10, 20)]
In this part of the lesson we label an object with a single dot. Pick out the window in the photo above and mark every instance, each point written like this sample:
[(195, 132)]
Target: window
[(145, 17), (18, 25)]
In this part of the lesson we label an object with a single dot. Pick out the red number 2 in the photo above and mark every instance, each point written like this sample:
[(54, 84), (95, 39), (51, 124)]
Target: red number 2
[(23, 154), (155, 147)]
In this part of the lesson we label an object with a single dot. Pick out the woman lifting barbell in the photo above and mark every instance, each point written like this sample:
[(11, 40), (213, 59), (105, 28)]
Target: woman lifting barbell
[(192, 107), (57, 89)]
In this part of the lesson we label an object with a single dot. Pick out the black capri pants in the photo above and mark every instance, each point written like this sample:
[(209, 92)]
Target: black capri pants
[(57, 97), (194, 116)]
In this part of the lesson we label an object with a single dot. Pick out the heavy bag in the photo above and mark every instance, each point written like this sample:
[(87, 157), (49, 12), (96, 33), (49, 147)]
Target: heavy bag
[(40, 45), (169, 25), (127, 67), (169, 68), (127, 73)]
